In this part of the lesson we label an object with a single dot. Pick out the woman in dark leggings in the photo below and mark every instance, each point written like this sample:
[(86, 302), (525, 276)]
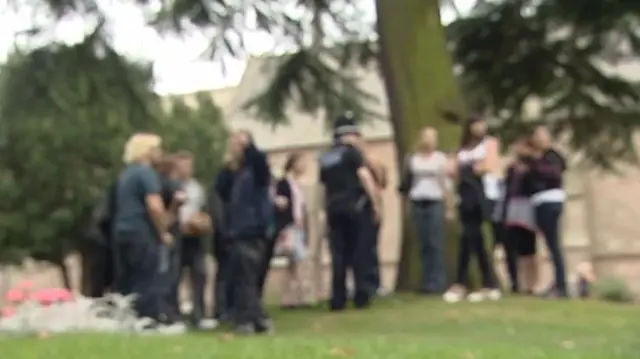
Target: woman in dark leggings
[(519, 222), (548, 198), (475, 162)]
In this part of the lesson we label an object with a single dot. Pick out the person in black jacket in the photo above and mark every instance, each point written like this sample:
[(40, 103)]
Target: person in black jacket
[(518, 220), (350, 195), (248, 221), (548, 196), (219, 199)]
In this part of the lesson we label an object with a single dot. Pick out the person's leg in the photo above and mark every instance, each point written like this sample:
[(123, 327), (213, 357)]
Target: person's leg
[(197, 275), (419, 216), (460, 287), (482, 255), (526, 240), (370, 246), (464, 252), (548, 220), (247, 260), (287, 297), (221, 286), (145, 279), (357, 250), (511, 254), (375, 259), (435, 222), (265, 265), (338, 262)]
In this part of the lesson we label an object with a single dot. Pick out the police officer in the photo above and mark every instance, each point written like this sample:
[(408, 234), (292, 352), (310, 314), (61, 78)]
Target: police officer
[(349, 188)]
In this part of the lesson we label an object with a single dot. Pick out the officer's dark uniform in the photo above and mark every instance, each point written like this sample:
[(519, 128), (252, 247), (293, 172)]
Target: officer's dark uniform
[(345, 201)]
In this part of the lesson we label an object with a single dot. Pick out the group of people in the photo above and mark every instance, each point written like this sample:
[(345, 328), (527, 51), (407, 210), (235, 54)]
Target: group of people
[(158, 219), (524, 200)]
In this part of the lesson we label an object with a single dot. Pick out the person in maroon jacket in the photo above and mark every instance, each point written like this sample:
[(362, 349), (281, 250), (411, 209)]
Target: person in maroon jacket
[(547, 197)]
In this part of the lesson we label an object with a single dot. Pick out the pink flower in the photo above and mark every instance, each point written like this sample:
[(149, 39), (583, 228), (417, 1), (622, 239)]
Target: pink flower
[(15, 296), (53, 295)]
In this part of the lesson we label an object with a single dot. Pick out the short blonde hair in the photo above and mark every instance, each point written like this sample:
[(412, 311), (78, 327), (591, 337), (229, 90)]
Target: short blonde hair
[(140, 146)]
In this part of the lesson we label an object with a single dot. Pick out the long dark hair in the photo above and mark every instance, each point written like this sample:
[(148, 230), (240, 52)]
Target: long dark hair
[(291, 162), (467, 134)]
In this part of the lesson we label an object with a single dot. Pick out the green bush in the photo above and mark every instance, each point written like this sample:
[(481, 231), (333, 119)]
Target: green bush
[(613, 289)]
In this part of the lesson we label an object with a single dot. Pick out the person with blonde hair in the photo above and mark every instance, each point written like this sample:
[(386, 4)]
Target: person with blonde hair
[(424, 184), (141, 224)]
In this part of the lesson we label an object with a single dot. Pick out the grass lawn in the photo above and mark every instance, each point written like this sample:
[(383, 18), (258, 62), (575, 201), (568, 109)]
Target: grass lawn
[(402, 327)]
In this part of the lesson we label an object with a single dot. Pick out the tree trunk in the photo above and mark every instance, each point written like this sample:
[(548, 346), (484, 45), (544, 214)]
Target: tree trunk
[(420, 86), (64, 274)]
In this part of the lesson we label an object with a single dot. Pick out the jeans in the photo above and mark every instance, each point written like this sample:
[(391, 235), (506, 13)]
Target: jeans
[(247, 256), (193, 257), (137, 263), (429, 218), (348, 243), (170, 274), (548, 221), (472, 243)]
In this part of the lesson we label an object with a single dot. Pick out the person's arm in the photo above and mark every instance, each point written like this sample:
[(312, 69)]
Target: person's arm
[(551, 165), (491, 160), (152, 191), (283, 194), (257, 161), (451, 167), (442, 181), (365, 176)]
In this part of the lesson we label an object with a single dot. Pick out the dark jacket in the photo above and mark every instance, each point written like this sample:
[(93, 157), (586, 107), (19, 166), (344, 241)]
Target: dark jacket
[(546, 172), (284, 217), (249, 209)]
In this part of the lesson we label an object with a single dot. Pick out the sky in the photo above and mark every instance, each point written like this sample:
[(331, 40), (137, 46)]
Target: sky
[(179, 66)]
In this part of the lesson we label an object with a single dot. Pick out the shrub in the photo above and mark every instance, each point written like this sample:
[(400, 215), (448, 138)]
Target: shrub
[(613, 289)]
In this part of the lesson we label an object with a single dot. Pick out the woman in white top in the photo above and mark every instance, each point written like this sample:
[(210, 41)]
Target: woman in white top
[(476, 163), (424, 184)]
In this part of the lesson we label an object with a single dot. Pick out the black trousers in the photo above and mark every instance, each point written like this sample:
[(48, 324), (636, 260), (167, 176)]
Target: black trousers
[(137, 271), (548, 217), (350, 248), (247, 256), (472, 243), (223, 288), (373, 262), (266, 262), (503, 236), (100, 268), (193, 258)]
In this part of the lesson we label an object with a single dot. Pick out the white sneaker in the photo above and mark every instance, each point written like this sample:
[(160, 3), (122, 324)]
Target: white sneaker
[(172, 329), (476, 297), (494, 294), (482, 295), (451, 296), (208, 324)]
